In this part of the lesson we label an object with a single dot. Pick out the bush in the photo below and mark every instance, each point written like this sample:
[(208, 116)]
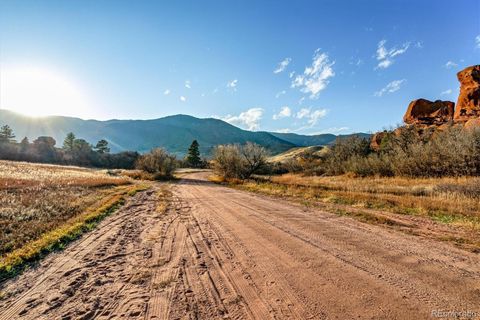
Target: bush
[(157, 162), (239, 162), (407, 151)]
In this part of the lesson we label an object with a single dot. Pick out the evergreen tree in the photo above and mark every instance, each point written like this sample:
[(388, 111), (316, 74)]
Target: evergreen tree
[(193, 156), (24, 144), (69, 142), (102, 146), (6, 134)]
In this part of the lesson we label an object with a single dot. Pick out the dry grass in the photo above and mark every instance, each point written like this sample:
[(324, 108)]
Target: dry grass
[(40, 204)]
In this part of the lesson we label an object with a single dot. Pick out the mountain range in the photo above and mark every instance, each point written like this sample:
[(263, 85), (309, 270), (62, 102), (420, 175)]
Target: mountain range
[(174, 133)]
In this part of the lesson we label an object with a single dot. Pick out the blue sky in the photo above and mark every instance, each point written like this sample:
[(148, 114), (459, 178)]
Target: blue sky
[(298, 66)]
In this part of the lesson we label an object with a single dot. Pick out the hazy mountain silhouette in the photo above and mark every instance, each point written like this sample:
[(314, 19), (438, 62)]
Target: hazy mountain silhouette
[(174, 133)]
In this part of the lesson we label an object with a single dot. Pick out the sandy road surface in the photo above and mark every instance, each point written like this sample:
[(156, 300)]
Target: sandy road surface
[(223, 253)]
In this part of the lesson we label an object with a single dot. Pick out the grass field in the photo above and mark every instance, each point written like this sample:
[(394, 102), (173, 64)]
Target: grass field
[(42, 207), (449, 201)]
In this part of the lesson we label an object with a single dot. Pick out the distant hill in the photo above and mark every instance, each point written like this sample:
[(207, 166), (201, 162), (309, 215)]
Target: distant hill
[(314, 140), (174, 133)]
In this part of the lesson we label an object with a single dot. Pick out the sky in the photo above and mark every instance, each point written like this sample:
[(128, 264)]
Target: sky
[(306, 67)]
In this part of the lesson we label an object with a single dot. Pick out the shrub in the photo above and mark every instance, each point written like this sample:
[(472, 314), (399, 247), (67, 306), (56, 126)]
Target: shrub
[(157, 162), (240, 162)]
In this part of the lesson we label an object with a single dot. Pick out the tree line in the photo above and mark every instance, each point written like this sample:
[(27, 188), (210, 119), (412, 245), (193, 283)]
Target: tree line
[(74, 151)]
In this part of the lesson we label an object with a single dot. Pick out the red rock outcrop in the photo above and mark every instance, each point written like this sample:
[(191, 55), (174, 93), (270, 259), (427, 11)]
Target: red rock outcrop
[(468, 104), (425, 112)]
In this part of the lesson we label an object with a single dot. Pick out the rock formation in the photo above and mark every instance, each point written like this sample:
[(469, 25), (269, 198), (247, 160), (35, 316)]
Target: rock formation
[(468, 104), (425, 112), (428, 117)]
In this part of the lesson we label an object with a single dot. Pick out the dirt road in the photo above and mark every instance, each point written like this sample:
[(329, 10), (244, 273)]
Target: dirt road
[(222, 253)]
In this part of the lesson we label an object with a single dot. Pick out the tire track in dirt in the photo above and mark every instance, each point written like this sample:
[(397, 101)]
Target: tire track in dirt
[(219, 253)]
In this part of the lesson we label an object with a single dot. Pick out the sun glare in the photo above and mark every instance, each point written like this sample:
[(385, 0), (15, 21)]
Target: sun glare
[(40, 92)]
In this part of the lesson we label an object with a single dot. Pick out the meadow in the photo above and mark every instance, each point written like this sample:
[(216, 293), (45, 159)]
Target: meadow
[(42, 207)]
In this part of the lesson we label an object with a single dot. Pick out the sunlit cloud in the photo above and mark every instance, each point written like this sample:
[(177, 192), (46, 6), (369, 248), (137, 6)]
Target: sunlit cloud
[(249, 119), (450, 64), (282, 65), (280, 93), (285, 112), (166, 92), (188, 84), (312, 117), (183, 99), (315, 78), (390, 87), (446, 92), (232, 85), (385, 56)]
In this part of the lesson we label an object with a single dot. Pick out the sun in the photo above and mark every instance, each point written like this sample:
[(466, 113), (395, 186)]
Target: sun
[(39, 91)]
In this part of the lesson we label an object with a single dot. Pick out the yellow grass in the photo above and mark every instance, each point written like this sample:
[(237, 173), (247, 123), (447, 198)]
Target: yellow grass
[(42, 207)]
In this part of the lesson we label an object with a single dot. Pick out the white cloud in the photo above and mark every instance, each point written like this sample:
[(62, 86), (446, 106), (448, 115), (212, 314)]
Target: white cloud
[(285, 112), (477, 41), (187, 84), (315, 116), (315, 78), (286, 130), (312, 117), (334, 130), (183, 99), (446, 92), (450, 64), (166, 92), (291, 74), (385, 56), (249, 119), (393, 86), (280, 94), (303, 113), (232, 84), (282, 65)]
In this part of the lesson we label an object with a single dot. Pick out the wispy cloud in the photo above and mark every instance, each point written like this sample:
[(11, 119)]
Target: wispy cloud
[(286, 130), (385, 56), (312, 117), (477, 42), (446, 92), (333, 130), (249, 119), (285, 112), (232, 85), (282, 65), (450, 64), (183, 99), (166, 92), (391, 87), (315, 78), (187, 84), (281, 93)]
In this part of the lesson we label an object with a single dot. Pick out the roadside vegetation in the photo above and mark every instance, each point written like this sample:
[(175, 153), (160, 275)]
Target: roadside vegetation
[(74, 151), (43, 207), (432, 176), (404, 152)]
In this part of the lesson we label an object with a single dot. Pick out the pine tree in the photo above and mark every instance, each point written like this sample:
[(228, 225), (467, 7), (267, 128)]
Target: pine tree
[(102, 146), (6, 134), (193, 156), (69, 142), (24, 144)]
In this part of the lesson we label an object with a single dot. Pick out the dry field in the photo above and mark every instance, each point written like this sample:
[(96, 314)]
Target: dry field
[(447, 208), (41, 206)]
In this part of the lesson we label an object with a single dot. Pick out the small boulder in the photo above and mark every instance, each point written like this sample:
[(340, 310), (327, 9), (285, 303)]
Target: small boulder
[(468, 104), (376, 140), (425, 112)]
